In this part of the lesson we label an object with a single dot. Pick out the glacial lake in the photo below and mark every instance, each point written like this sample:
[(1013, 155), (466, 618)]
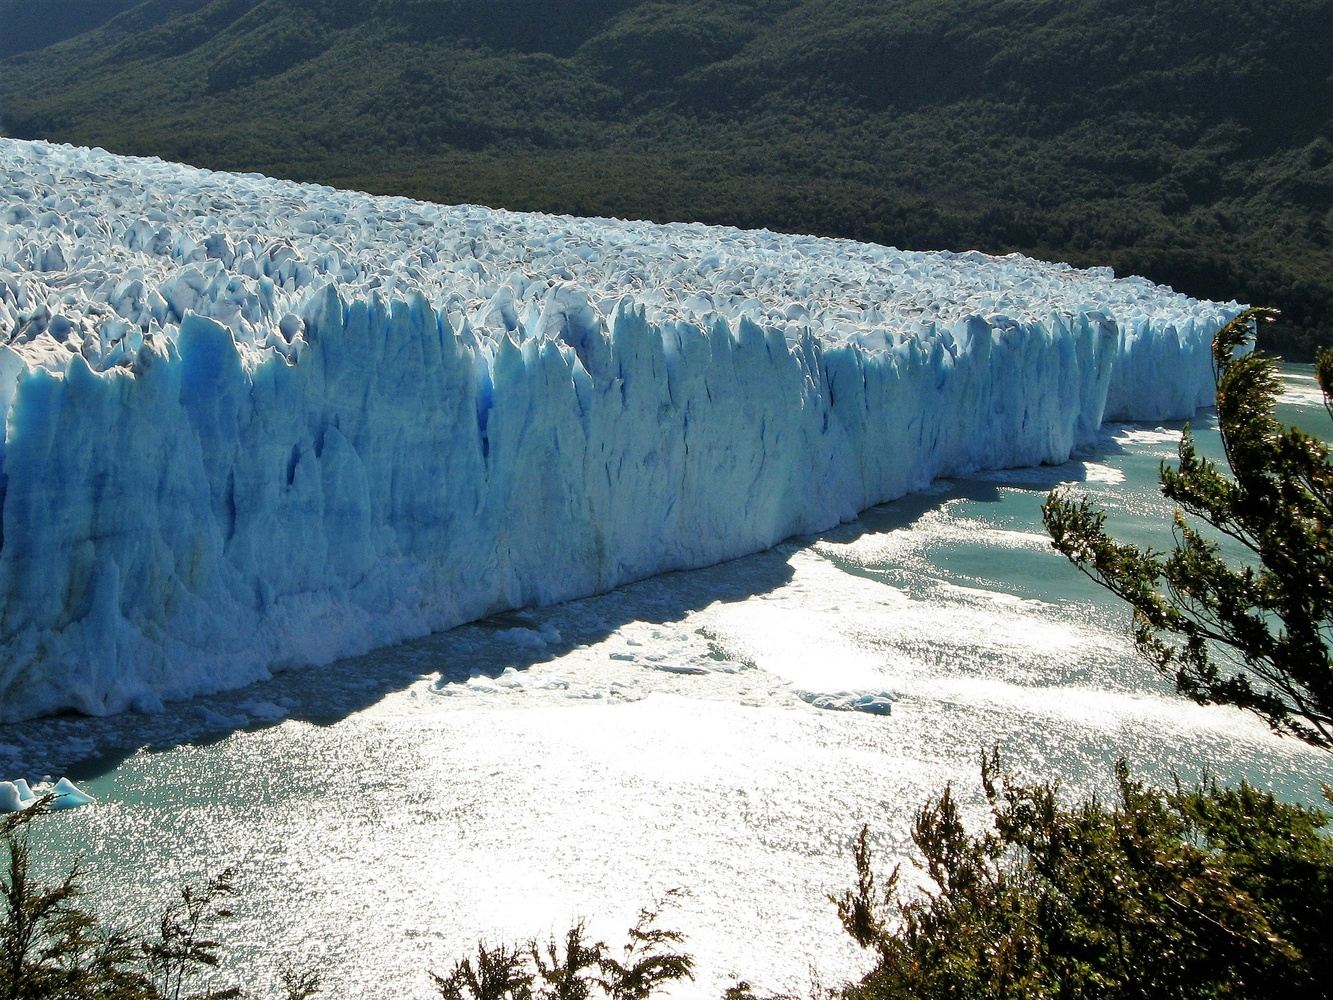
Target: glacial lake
[(580, 761)]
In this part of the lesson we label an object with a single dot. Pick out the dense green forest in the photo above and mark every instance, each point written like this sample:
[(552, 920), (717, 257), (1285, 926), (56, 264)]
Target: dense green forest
[(1189, 141)]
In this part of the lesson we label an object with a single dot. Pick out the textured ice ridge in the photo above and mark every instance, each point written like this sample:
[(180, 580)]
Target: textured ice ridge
[(252, 423)]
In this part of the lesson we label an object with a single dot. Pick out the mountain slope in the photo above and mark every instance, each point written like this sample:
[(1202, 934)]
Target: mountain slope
[(1189, 141), (35, 24)]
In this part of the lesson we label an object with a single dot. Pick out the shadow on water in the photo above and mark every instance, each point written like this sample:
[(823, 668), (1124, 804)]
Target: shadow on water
[(88, 748)]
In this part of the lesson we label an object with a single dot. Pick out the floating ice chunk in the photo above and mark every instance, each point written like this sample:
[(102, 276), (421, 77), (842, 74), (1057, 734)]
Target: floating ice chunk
[(870, 702), (265, 711), (677, 668), (510, 681), (1142, 435), (10, 800), (547, 684), (222, 720), (18, 795), (67, 795), (1096, 472), (531, 638)]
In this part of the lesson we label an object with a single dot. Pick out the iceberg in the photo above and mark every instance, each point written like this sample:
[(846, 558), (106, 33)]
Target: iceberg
[(251, 424), (16, 796)]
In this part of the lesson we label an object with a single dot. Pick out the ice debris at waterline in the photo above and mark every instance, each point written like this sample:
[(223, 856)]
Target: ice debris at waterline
[(870, 702), (252, 423), (15, 796)]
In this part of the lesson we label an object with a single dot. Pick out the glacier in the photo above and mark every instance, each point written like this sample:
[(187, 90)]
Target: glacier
[(252, 424)]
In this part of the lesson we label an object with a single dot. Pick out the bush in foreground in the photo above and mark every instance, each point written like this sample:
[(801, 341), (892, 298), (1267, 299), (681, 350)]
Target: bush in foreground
[(52, 947), (576, 969), (1205, 892)]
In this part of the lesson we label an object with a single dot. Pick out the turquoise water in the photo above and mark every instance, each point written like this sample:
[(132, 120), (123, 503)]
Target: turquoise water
[(509, 777)]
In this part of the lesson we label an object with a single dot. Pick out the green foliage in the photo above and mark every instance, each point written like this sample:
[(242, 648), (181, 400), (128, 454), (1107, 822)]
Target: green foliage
[(569, 975), (1257, 634), (1204, 892), (500, 973), (1190, 142), (575, 969), (184, 946), (649, 960), (52, 948), (301, 984)]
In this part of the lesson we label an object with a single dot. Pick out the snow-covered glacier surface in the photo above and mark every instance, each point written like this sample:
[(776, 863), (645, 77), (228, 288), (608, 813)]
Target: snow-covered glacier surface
[(251, 424)]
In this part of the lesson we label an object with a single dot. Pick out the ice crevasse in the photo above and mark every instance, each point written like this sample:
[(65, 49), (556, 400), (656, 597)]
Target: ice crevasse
[(252, 424)]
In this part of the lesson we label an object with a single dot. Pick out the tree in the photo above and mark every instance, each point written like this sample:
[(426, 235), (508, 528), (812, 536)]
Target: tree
[(53, 948), (1255, 634), (1207, 892), (50, 946), (578, 970)]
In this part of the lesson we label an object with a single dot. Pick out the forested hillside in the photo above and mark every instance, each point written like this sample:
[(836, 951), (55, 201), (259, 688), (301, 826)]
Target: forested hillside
[(33, 24), (1191, 141)]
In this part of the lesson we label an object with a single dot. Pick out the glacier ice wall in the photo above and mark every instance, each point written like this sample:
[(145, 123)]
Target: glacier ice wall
[(252, 424)]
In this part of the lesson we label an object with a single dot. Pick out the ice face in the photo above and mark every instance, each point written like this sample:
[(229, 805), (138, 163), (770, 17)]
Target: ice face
[(253, 424)]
